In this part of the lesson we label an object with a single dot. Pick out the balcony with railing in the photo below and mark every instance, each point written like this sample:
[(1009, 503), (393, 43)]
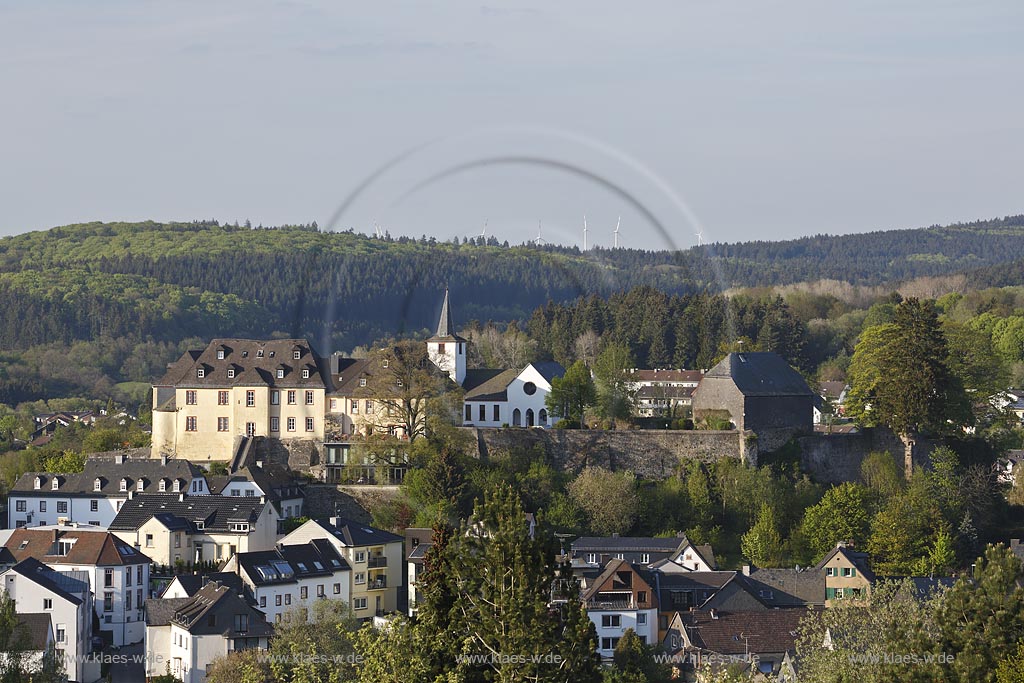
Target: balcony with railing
[(377, 584), (610, 600), (377, 562)]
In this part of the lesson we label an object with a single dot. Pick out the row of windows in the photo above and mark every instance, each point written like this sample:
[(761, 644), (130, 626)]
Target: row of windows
[(62, 506), (840, 571), (223, 425), (223, 397)]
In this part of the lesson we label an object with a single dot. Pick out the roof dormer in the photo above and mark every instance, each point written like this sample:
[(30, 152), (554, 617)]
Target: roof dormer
[(281, 369), (223, 351), (124, 484), (297, 352), (305, 373), (55, 484), (232, 371), (38, 483), (162, 487), (97, 484), (201, 372), (140, 484)]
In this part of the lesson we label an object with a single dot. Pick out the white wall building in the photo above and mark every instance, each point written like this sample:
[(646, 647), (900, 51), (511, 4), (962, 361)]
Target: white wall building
[(66, 597)]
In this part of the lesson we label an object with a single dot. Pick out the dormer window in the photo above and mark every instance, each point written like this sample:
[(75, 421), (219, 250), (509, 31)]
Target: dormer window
[(259, 353), (96, 484), (38, 482), (297, 354), (231, 373), (280, 373), (55, 484), (384, 363), (362, 381), (200, 372), (245, 354), (138, 485), (124, 484), (305, 373), (177, 485), (220, 354), (200, 525), (163, 485)]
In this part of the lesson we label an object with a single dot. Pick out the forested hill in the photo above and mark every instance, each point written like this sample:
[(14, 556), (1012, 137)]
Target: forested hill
[(177, 280)]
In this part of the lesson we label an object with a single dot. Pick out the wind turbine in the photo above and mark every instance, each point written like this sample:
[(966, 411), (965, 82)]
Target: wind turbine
[(377, 231), (700, 237), (584, 232), (616, 232), (539, 240), (483, 232)]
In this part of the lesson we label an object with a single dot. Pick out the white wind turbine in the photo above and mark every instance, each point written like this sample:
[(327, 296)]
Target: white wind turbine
[(584, 232), (483, 232), (616, 232), (377, 231), (700, 237), (539, 240)]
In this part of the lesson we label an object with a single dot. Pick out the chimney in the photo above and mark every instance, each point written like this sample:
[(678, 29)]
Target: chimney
[(746, 570), (335, 521), (163, 460), (615, 535), (259, 463), (119, 459), (263, 500), (181, 497)]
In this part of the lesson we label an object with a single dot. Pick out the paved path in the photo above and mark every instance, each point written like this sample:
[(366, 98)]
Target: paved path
[(132, 672)]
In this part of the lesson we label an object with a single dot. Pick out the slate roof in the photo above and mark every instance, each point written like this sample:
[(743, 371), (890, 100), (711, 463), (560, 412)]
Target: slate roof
[(354, 534), (99, 548), (191, 583), (106, 469), (211, 611), (761, 373), (788, 587), (445, 328), (549, 369), (159, 612), (346, 380), (255, 363), (292, 563), (488, 384), (626, 543), (857, 559), (216, 512), (36, 627), (664, 392), (67, 585), (639, 375), (737, 633), (832, 390)]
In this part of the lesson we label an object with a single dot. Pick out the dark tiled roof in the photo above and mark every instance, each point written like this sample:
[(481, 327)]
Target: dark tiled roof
[(289, 563), (597, 584), (857, 559), (62, 584), (353, 534), (664, 392), (638, 375), (106, 469), (549, 369), (737, 633), (761, 373), (487, 384), (832, 390), (212, 610), (216, 512), (36, 628), (624, 543), (255, 363), (788, 587), (191, 583), (89, 547), (346, 380), (159, 612)]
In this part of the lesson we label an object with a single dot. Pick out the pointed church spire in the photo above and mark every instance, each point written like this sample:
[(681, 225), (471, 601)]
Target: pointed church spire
[(444, 324)]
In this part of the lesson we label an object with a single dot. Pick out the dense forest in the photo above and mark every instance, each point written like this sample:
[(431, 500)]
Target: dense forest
[(121, 299)]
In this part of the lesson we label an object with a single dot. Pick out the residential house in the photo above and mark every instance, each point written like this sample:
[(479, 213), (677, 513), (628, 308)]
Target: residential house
[(175, 530), (210, 398), (67, 599), (251, 473), (94, 495), (787, 587), (201, 629), (375, 557), (683, 591), (417, 542), (596, 551), (758, 391), (662, 393), (847, 574), (118, 574), (293, 577), (618, 599), (757, 642), (832, 396)]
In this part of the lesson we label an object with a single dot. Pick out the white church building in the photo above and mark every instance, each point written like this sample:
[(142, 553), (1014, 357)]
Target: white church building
[(493, 397)]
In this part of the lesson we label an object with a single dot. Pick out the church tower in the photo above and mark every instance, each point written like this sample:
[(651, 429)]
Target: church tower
[(446, 349)]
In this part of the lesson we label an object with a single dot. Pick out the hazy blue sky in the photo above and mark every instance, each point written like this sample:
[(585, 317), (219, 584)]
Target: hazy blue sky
[(761, 119)]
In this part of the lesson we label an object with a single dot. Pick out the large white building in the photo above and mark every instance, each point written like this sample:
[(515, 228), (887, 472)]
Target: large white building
[(95, 495), (293, 577), (66, 597), (118, 574)]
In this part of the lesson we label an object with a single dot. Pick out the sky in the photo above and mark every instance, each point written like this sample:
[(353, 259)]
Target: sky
[(738, 120)]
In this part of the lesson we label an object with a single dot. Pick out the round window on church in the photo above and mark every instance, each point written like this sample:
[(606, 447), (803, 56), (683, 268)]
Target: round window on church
[(529, 388)]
